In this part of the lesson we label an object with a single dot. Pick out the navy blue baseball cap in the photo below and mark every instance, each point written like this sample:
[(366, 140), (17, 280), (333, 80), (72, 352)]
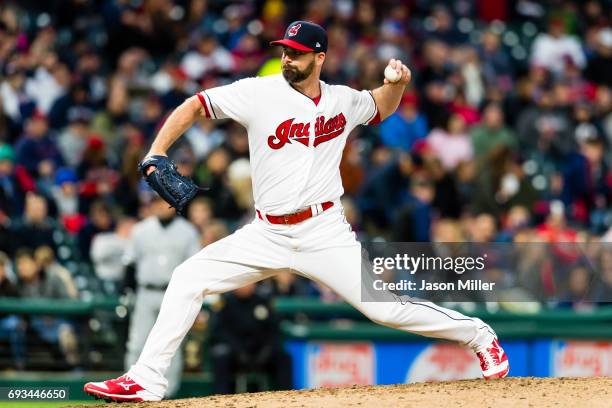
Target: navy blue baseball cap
[(304, 36)]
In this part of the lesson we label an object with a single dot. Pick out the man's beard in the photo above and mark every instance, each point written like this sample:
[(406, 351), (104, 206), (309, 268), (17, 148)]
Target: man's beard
[(294, 75)]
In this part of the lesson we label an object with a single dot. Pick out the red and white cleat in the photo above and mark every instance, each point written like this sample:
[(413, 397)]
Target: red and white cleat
[(120, 389), (493, 361)]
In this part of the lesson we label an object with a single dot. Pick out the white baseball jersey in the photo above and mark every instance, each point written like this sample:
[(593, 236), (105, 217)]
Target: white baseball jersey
[(295, 142)]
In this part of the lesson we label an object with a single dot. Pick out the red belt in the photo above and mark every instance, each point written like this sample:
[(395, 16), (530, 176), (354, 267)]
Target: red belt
[(294, 218)]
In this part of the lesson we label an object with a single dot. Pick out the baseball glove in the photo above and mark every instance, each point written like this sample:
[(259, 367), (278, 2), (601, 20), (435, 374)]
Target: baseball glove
[(173, 187)]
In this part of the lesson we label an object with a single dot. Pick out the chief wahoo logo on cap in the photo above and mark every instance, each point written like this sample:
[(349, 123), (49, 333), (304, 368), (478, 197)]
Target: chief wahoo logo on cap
[(294, 30)]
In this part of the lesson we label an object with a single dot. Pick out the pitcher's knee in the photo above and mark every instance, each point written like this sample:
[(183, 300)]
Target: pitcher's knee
[(180, 273), (195, 277), (183, 278), (379, 315), (386, 314)]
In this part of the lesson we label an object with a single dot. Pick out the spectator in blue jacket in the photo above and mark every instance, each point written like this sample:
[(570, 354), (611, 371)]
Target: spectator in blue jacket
[(405, 126)]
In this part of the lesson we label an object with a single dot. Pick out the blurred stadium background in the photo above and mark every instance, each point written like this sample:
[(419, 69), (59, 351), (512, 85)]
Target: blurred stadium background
[(503, 136)]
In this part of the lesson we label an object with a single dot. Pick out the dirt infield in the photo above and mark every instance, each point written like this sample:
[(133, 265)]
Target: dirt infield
[(509, 392)]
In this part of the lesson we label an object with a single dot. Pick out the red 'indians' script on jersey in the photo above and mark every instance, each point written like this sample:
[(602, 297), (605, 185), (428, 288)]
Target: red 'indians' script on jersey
[(324, 131)]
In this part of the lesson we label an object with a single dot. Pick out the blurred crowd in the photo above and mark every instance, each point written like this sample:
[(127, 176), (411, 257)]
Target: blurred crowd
[(503, 135)]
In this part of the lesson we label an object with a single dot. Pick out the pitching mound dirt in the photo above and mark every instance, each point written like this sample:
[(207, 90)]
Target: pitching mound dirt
[(509, 392)]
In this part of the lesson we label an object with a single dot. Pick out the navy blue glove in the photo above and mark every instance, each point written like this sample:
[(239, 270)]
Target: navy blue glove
[(173, 187)]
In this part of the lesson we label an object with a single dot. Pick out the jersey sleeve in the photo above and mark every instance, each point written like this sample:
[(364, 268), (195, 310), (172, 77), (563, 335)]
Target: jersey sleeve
[(233, 101), (364, 108)]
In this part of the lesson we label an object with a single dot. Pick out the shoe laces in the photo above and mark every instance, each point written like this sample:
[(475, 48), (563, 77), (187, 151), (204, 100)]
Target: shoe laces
[(485, 360), (124, 377), (489, 357)]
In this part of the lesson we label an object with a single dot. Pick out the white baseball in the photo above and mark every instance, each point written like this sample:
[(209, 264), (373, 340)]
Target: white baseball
[(391, 74)]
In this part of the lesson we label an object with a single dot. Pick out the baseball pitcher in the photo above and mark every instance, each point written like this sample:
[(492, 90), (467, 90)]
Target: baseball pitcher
[(297, 128)]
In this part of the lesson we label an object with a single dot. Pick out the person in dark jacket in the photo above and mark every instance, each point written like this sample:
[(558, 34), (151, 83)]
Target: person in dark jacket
[(245, 336), (13, 183), (586, 180), (36, 150), (382, 191), (12, 327), (35, 228), (38, 283)]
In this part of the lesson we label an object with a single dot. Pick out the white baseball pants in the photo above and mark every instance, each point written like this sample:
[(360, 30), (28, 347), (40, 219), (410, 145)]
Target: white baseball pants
[(322, 248), (146, 309)]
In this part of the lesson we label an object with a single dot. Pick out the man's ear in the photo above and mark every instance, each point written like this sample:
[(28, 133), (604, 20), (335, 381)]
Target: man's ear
[(320, 58)]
